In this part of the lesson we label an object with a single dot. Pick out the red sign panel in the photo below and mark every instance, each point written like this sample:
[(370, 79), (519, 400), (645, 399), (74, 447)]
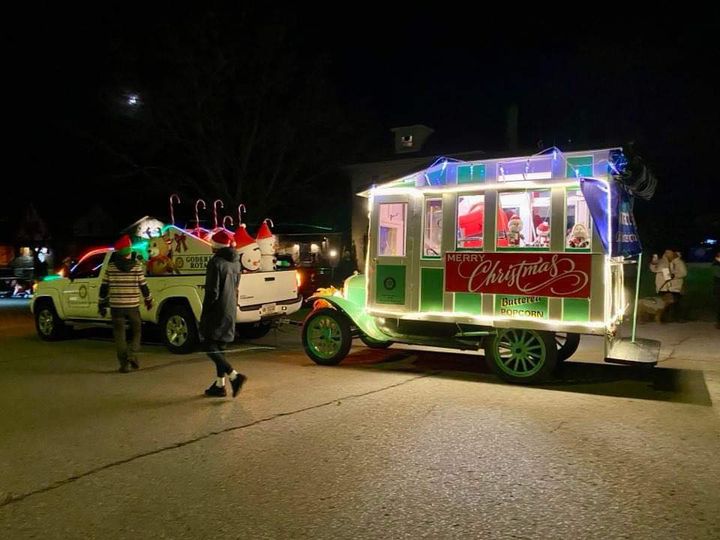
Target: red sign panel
[(531, 273)]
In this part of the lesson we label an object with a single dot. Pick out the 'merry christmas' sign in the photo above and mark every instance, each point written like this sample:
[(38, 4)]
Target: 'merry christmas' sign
[(534, 274)]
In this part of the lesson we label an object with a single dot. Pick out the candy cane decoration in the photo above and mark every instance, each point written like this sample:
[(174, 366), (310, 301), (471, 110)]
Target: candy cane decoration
[(241, 209), (197, 217), (172, 213), (215, 210), (271, 222), (232, 223)]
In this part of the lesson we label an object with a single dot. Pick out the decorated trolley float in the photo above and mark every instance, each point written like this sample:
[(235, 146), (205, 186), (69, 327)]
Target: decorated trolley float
[(516, 256)]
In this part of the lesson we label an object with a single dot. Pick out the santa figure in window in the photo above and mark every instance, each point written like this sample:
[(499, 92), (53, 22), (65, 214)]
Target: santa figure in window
[(543, 235), (248, 250), (266, 242), (515, 235), (578, 237)]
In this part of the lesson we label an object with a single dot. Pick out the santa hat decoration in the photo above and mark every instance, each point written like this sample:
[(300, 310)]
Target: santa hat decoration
[(124, 245), (264, 233), (242, 238), (543, 228), (221, 239)]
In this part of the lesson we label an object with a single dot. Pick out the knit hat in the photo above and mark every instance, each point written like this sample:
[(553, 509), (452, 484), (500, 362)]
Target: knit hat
[(124, 245), (242, 238), (221, 239)]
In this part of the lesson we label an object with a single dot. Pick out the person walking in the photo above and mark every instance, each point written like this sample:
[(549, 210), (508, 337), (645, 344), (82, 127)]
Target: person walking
[(122, 284), (670, 272), (217, 320)]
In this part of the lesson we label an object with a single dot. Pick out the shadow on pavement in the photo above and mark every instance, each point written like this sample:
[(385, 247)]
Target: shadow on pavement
[(659, 384)]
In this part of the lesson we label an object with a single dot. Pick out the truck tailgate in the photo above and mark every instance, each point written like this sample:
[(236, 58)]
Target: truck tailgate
[(261, 288)]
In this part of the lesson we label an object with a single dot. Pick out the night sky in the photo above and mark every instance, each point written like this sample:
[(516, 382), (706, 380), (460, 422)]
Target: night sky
[(578, 83)]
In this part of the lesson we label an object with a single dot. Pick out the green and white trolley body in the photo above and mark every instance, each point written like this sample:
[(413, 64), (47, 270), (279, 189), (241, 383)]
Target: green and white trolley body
[(505, 255)]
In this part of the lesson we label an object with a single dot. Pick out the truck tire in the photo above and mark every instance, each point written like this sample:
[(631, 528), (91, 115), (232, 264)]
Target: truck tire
[(179, 329), (48, 324), (252, 330), (521, 356), (567, 343), (326, 336)]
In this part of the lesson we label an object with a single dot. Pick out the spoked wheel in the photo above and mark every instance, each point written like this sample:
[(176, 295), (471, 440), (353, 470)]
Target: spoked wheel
[(326, 336), (566, 343), (521, 356)]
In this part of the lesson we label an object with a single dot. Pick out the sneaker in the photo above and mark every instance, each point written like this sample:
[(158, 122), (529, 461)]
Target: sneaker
[(134, 363), (216, 391), (124, 368), (237, 383)]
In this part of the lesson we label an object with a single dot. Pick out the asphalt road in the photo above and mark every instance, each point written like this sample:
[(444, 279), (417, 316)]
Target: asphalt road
[(391, 444)]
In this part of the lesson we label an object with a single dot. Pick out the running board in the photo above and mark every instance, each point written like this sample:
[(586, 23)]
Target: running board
[(639, 352)]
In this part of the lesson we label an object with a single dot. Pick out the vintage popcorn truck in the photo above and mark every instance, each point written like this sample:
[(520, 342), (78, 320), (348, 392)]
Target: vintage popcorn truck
[(516, 256)]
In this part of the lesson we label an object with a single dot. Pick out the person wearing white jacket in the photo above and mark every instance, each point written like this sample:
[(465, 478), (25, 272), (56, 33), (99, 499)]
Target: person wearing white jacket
[(670, 272)]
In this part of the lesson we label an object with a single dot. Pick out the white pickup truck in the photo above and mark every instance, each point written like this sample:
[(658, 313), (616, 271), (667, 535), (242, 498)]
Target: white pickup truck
[(263, 298)]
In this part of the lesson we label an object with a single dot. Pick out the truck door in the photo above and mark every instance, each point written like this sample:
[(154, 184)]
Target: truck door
[(80, 297)]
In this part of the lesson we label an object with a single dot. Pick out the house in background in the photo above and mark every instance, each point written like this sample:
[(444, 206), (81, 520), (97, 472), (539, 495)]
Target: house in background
[(413, 151)]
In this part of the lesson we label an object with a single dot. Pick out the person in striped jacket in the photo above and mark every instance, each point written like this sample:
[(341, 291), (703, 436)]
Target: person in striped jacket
[(122, 284)]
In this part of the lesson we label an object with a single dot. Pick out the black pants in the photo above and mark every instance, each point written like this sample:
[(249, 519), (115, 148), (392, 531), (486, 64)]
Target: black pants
[(216, 352), (132, 316)]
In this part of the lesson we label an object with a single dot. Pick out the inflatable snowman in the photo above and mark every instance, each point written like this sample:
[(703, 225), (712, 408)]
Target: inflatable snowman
[(266, 242), (248, 250)]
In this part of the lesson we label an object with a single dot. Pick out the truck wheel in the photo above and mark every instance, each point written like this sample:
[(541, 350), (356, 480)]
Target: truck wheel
[(326, 336), (48, 324), (566, 343), (374, 343), (178, 328), (252, 330), (521, 356)]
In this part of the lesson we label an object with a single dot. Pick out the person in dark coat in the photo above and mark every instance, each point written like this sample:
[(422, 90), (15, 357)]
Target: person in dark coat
[(217, 321)]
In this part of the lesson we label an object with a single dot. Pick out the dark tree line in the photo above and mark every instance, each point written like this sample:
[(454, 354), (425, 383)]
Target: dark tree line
[(237, 107)]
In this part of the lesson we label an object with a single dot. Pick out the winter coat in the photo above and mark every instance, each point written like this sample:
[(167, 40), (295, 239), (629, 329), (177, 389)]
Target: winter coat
[(672, 280), (217, 321)]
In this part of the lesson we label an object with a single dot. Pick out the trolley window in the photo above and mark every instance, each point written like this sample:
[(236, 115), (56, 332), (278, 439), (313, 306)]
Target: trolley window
[(524, 220), (392, 226), (471, 215), (578, 228), (432, 229)]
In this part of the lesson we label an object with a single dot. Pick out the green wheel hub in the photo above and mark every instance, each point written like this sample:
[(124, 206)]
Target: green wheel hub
[(520, 353), (324, 336)]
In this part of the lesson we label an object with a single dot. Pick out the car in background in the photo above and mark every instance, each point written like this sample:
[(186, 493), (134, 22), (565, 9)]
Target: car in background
[(310, 277)]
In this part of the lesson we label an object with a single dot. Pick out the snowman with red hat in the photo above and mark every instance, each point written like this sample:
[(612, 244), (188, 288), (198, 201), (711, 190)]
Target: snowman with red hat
[(248, 249), (543, 234), (267, 243)]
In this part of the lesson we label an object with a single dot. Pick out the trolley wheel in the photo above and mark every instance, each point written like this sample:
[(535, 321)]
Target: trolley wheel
[(326, 336), (567, 343), (521, 356)]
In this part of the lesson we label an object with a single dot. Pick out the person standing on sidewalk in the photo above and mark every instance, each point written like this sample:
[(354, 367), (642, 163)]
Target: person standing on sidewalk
[(716, 286), (217, 321), (670, 272), (122, 284)]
